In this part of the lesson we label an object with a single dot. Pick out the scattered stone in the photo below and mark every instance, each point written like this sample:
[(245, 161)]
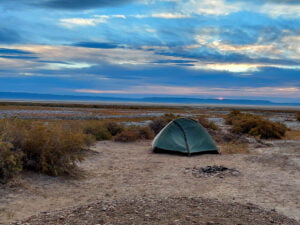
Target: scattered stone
[(169, 210), (213, 171)]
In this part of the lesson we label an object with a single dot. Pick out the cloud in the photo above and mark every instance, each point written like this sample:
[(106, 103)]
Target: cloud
[(93, 21), (90, 91), (10, 53), (14, 51), (290, 46), (281, 10), (175, 61), (284, 1), (97, 45), (94, 53), (267, 1), (252, 50), (68, 65), (17, 57), (79, 4), (189, 8), (201, 90), (74, 22), (170, 15), (9, 36), (208, 7)]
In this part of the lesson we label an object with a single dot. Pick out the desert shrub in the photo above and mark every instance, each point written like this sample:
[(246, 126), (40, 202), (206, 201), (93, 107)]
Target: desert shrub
[(129, 135), (98, 130), (207, 124), (10, 161), (245, 123), (134, 133), (145, 133), (266, 129), (88, 140), (52, 149), (159, 123), (298, 116), (232, 116), (114, 128), (13, 131)]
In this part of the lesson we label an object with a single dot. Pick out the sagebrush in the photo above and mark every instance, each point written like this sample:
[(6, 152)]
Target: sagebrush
[(134, 133), (10, 161), (298, 116), (210, 125), (246, 123), (50, 148)]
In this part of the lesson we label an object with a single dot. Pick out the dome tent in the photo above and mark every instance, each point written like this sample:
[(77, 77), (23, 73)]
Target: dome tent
[(184, 135)]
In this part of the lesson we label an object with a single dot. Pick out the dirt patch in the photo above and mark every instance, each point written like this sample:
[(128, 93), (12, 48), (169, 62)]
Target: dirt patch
[(214, 171), (117, 171), (162, 211)]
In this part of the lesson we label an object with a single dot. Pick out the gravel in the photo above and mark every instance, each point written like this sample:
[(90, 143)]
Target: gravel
[(181, 210)]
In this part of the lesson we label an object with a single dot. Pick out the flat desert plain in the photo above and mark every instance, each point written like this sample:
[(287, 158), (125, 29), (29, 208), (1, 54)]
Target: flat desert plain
[(126, 183)]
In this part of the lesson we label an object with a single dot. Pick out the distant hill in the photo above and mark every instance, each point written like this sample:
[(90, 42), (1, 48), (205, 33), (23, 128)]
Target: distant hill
[(181, 100)]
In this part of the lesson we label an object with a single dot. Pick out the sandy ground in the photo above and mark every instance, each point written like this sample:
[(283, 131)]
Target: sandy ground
[(114, 171)]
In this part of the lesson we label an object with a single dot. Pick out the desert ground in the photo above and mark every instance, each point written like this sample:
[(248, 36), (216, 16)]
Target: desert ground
[(126, 183)]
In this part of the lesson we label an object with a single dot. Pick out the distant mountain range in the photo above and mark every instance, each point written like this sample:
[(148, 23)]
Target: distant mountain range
[(181, 100)]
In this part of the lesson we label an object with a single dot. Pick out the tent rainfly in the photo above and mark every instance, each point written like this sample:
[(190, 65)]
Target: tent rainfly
[(184, 135)]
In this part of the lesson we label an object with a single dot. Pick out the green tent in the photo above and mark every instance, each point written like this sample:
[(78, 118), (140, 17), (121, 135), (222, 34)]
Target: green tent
[(184, 135)]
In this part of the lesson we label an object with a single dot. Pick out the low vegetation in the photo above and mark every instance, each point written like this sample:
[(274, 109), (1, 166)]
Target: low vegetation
[(210, 125), (246, 123), (159, 123), (134, 133), (234, 148), (298, 116), (114, 128), (10, 161), (50, 148), (55, 147), (98, 129)]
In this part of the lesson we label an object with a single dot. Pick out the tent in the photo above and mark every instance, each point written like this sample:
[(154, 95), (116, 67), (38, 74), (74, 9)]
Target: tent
[(184, 135)]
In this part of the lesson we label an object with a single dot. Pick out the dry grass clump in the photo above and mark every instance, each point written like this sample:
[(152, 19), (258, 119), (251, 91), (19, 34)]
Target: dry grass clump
[(10, 161), (50, 148), (210, 125), (134, 133), (298, 116), (234, 148), (100, 130), (245, 123), (114, 128), (158, 124), (129, 135)]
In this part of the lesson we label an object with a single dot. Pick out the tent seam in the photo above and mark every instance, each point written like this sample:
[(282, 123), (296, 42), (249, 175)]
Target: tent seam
[(185, 137)]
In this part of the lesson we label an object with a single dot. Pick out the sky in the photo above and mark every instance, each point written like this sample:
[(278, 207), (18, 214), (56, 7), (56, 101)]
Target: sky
[(236, 49)]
